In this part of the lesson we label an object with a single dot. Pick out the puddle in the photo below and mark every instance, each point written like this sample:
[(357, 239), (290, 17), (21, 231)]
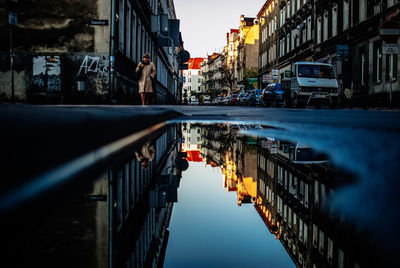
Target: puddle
[(201, 194)]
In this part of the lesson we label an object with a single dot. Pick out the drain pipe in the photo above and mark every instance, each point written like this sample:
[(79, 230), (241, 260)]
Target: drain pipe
[(110, 222), (112, 50)]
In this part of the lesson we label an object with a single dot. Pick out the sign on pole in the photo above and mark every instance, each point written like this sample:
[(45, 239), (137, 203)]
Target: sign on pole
[(390, 48), (12, 18), (389, 31)]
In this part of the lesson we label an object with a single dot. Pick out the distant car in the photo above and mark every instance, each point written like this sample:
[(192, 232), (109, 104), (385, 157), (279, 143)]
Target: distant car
[(242, 98), (272, 95), (220, 100), (206, 102), (235, 99), (214, 101), (257, 93), (251, 98), (227, 100)]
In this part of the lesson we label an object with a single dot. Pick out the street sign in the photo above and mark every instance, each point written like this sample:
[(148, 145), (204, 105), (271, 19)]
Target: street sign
[(12, 18), (390, 48), (288, 74), (183, 56), (265, 78), (275, 71), (389, 31), (96, 22), (342, 50)]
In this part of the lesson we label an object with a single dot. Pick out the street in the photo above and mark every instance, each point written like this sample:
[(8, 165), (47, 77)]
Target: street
[(52, 154)]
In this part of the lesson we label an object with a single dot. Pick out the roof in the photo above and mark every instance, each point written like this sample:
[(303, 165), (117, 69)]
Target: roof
[(195, 63), (266, 4), (194, 156)]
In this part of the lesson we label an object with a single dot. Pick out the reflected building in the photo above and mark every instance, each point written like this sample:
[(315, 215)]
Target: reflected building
[(118, 219), (246, 161), (293, 202), (142, 205)]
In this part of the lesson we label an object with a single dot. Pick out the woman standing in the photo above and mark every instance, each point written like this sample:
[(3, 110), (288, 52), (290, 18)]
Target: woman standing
[(148, 74)]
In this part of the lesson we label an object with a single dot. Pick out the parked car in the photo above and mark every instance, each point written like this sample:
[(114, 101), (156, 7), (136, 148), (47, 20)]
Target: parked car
[(251, 98), (257, 93), (235, 99), (272, 95), (220, 100), (227, 100), (242, 98)]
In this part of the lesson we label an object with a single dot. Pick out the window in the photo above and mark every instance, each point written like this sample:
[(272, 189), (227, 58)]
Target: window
[(330, 250), (287, 43), (121, 30), (345, 14), (315, 236), (391, 67), (319, 22), (362, 9), (316, 71), (138, 40), (309, 23), (321, 242), (128, 24), (377, 61), (288, 8), (391, 3), (134, 35), (143, 41), (325, 31), (304, 32), (362, 66), (334, 20)]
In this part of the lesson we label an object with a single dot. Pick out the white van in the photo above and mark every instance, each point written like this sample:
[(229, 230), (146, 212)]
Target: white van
[(304, 154), (313, 83)]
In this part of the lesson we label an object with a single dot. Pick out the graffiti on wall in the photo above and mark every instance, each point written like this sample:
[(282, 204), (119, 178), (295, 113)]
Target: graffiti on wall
[(97, 65), (46, 74)]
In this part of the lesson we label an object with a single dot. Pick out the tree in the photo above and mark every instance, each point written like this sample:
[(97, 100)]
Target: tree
[(249, 73), (228, 77)]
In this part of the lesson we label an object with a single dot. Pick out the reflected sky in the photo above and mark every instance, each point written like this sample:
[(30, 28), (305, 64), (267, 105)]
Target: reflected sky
[(209, 229)]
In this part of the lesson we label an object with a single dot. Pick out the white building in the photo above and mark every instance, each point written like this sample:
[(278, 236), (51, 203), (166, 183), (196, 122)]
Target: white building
[(192, 79)]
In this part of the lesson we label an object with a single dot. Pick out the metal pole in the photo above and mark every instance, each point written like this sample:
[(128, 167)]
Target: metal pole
[(12, 64), (390, 96), (112, 49)]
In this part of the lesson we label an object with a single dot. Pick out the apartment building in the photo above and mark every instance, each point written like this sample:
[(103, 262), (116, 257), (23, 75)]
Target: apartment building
[(69, 52)]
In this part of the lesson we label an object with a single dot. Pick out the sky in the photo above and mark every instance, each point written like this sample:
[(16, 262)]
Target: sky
[(204, 23)]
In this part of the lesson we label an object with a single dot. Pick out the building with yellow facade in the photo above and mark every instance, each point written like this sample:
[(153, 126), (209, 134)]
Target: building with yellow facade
[(247, 51)]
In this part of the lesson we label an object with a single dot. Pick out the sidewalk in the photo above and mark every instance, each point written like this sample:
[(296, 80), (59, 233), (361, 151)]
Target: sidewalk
[(34, 139)]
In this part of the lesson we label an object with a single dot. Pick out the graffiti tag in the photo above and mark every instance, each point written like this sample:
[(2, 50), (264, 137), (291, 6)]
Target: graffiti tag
[(94, 65)]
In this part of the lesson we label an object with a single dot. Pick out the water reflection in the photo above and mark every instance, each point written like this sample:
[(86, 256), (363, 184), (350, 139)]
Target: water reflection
[(290, 185), (123, 218)]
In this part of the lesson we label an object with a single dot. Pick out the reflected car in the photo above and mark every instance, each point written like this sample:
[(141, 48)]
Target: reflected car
[(272, 95)]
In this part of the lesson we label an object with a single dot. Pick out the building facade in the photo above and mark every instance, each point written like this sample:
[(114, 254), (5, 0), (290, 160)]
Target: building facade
[(66, 52), (248, 47), (192, 80)]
